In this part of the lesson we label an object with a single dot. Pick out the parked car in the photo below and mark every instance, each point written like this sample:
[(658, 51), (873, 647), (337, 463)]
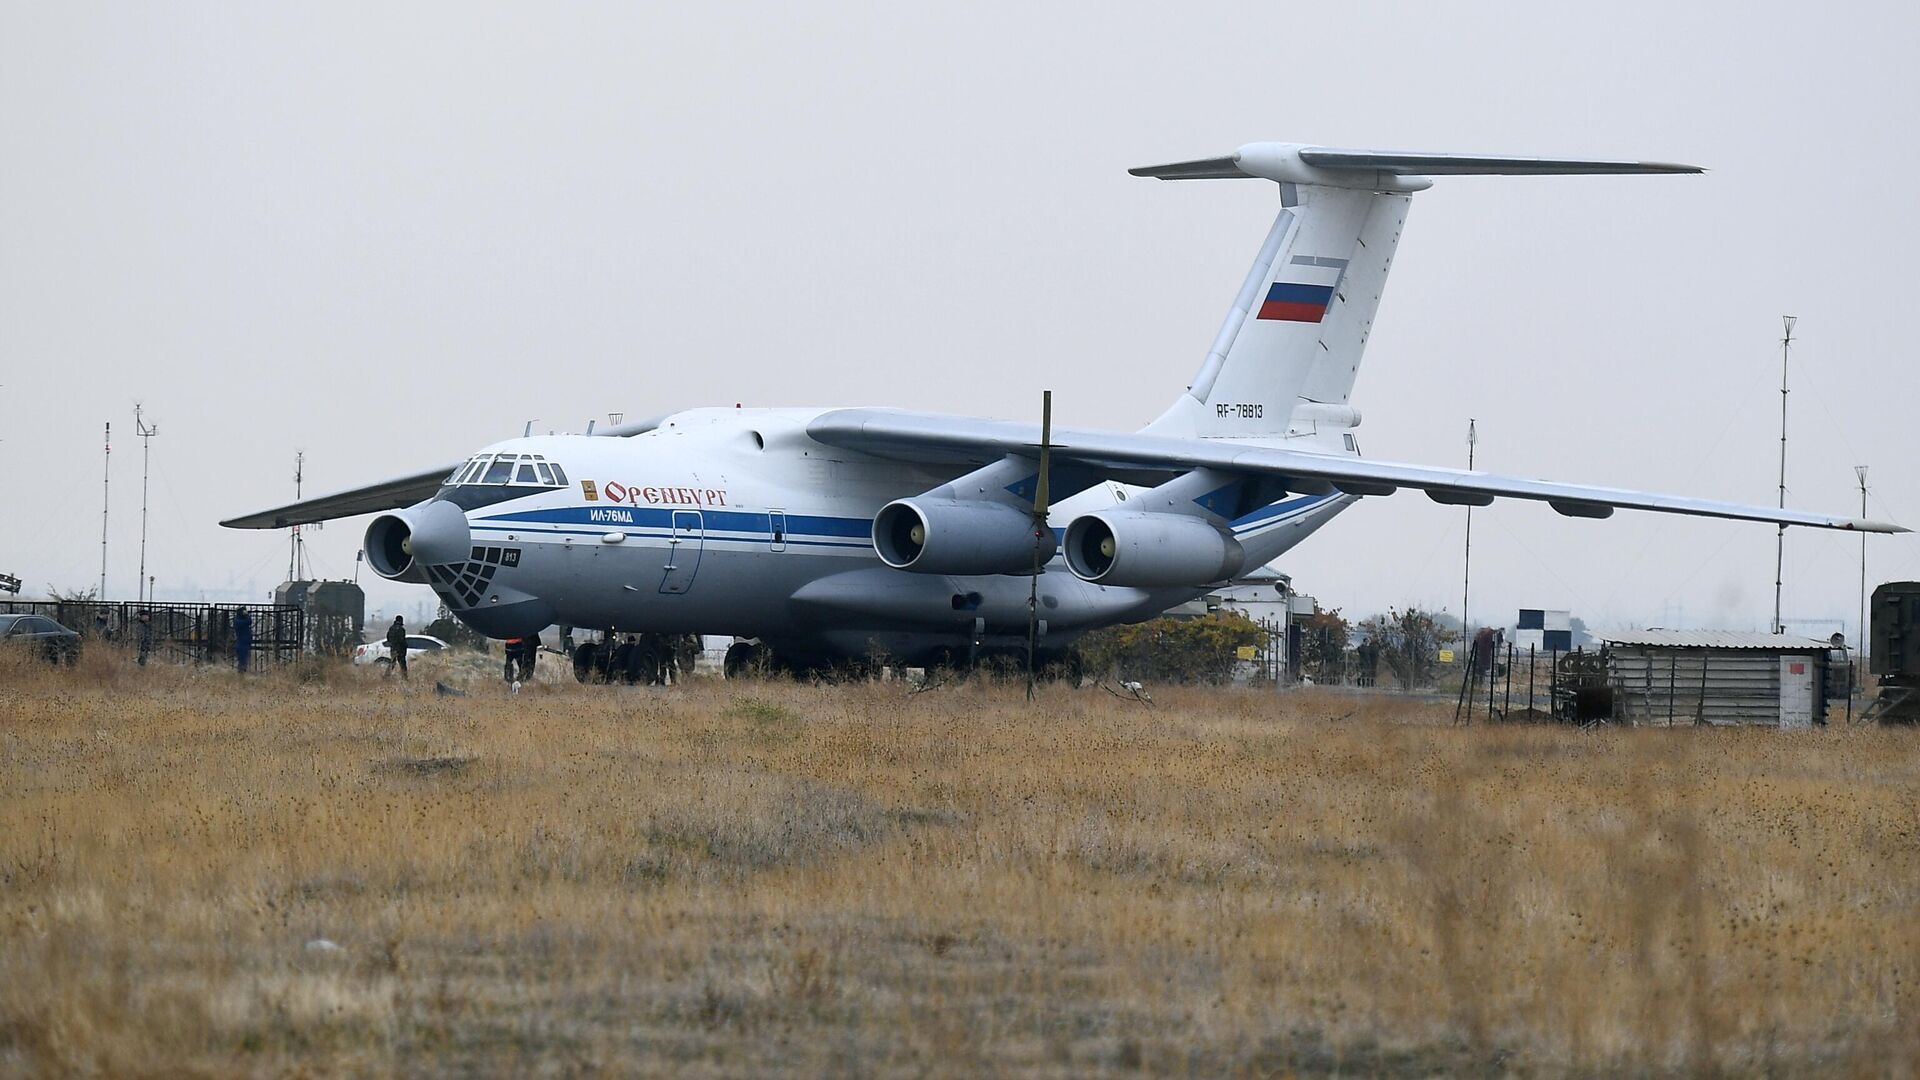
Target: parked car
[(49, 638), (376, 652)]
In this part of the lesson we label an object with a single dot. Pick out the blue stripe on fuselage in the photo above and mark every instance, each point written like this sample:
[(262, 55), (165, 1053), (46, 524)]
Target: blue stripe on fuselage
[(612, 518)]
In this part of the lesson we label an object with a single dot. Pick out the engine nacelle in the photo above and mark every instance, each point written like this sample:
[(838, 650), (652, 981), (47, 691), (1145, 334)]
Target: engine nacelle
[(1150, 550), (957, 536), (400, 544)]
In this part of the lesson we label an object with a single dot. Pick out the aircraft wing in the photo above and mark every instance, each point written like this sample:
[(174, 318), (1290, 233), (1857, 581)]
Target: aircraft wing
[(934, 439), (386, 495), (389, 494)]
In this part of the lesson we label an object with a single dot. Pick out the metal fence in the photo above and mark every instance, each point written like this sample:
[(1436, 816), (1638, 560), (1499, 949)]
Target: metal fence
[(185, 633)]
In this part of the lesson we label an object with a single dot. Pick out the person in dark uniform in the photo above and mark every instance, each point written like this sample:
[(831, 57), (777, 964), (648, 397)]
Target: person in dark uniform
[(242, 639), (513, 646), (397, 645), (144, 628)]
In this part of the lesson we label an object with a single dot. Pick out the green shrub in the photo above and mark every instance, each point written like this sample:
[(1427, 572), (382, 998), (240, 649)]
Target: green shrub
[(1168, 650)]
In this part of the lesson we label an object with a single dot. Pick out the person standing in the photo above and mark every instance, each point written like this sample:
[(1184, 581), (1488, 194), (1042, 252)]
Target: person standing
[(242, 639), (397, 645), (513, 658), (144, 628)]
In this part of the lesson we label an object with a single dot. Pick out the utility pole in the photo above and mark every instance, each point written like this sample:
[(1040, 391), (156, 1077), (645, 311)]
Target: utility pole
[(106, 481), (1466, 571), (1780, 536), (1860, 645), (147, 432), (293, 546)]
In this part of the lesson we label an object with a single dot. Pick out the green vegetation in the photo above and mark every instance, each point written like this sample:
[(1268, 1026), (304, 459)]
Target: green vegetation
[(1168, 651)]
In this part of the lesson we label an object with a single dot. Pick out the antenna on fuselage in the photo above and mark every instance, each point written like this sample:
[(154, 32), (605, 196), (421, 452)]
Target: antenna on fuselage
[(1041, 530)]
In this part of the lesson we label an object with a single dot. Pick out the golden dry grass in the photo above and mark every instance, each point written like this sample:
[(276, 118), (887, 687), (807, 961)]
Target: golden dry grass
[(736, 879)]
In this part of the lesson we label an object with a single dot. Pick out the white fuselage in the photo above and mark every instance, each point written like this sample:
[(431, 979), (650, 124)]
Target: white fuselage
[(733, 521)]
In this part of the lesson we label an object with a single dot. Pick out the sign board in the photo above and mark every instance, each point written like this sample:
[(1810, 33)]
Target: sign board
[(10, 584), (1245, 652), (1446, 656)]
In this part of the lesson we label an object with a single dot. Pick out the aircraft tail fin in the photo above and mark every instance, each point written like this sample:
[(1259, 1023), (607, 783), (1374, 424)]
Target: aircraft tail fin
[(1291, 346)]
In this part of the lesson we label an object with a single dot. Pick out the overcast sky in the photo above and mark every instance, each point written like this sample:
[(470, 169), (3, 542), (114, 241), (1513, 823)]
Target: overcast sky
[(389, 234)]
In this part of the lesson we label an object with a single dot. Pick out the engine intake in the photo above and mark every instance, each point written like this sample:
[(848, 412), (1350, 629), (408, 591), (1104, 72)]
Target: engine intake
[(1150, 550), (954, 536), (400, 544)]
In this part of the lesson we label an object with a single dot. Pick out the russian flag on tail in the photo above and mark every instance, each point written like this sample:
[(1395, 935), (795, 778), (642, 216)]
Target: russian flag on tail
[(1289, 301)]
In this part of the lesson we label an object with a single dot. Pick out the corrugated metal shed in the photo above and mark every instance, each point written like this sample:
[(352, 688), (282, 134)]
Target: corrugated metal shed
[(1715, 677), (1712, 639)]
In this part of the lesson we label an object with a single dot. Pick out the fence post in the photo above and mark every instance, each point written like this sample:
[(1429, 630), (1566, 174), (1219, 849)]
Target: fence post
[(1506, 707), (1529, 680), (1493, 672)]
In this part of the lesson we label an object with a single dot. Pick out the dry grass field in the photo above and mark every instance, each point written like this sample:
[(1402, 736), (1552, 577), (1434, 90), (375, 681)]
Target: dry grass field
[(332, 874)]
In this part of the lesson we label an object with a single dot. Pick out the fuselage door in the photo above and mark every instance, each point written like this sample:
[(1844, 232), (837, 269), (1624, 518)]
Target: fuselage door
[(683, 551), (777, 530)]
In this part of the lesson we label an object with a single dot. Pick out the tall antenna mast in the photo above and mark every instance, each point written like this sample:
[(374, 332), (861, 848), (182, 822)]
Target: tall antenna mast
[(294, 549), (147, 432), (1466, 570), (1042, 533), (1780, 537), (1860, 632), (106, 479)]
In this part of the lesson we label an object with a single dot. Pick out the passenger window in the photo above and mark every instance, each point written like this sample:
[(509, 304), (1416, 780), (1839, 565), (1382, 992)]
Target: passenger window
[(500, 471), (526, 474), (559, 477), (546, 474)]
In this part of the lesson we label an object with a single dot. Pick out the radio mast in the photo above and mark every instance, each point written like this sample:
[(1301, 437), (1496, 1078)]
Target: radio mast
[(1780, 537), (295, 551), (106, 480), (1466, 568), (146, 432)]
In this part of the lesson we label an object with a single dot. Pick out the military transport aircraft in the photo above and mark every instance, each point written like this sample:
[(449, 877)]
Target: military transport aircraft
[(812, 534)]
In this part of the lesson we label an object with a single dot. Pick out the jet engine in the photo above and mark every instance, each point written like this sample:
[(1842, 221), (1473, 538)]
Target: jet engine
[(400, 544), (1150, 550), (955, 536)]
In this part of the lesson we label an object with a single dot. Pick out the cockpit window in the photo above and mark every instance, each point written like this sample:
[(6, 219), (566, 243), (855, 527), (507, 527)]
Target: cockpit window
[(474, 469), (519, 470)]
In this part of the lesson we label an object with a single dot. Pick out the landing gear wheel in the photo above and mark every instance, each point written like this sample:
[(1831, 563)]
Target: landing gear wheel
[(742, 658), (583, 661)]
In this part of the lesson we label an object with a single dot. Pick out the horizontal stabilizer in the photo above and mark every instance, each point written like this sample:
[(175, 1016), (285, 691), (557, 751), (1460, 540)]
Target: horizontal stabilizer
[(1335, 167), (1403, 164)]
